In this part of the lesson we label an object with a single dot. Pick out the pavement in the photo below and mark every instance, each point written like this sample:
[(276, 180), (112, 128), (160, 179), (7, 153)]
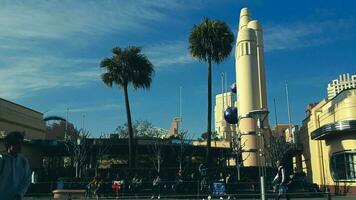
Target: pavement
[(318, 198)]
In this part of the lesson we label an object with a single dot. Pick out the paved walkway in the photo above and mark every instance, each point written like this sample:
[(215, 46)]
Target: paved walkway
[(324, 198)]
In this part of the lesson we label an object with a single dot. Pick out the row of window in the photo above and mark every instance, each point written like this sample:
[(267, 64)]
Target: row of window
[(345, 79)]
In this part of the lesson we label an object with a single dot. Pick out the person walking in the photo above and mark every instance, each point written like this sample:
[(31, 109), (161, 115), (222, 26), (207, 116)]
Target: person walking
[(15, 174), (136, 184), (179, 182), (156, 187), (280, 182), (95, 185), (228, 184)]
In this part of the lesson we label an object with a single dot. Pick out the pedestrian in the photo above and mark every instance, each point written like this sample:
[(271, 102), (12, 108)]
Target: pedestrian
[(156, 187), (117, 186), (221, 178), (178, 182), (193, 184), (204, 186), (136, 184), (228, 184), (95, 186), (15, 174), (280, 182)]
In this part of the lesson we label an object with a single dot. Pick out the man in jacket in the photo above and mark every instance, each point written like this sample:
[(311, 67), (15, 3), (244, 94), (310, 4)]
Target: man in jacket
[(15, 174), (280, 182)]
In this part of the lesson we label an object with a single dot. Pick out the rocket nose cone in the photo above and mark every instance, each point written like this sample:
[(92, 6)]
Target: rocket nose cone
[(254, 25), (245, 12)]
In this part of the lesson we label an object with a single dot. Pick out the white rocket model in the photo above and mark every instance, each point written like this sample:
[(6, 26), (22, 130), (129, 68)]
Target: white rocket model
[(251, 83)]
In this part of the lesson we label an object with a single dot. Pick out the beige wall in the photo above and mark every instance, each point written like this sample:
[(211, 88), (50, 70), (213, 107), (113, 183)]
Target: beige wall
[(317, 153), (14, 117)]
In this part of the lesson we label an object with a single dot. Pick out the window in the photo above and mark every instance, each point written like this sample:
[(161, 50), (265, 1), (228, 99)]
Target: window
[(343, 166)]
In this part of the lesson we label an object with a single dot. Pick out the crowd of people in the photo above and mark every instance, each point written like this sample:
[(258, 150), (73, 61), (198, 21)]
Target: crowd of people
[(180, 184), (155, 184)]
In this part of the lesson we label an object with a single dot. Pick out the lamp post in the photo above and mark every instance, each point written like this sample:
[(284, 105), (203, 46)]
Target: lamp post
[(260, 115), (66, 128), (223, 124)]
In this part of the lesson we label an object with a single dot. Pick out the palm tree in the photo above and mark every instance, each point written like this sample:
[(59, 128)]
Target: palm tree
[(128, 66), (210, 41)]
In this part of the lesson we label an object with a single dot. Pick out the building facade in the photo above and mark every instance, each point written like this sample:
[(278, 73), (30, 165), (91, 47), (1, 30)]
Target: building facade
[(15, 117), (223, 129), (345, 81), (328, 134)]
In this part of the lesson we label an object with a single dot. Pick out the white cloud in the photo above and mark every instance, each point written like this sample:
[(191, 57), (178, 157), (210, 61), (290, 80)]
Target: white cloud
[(169, 53), (91, 108), (307, 33), (29, 31), (59, 19), (22, 76), (64, 19)]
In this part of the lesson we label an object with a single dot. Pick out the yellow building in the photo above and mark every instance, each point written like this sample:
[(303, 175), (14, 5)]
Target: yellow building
[(14, 117), (223, 129), (345, 81), (328, 134)]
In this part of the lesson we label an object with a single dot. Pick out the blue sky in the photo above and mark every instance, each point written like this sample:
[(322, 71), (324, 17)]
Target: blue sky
[(50, 53)]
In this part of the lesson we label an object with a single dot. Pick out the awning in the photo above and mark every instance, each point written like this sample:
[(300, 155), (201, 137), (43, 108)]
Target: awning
[(333, 129)]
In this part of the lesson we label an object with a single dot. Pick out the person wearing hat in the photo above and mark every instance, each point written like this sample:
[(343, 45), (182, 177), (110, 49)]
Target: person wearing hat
[(15, 174)]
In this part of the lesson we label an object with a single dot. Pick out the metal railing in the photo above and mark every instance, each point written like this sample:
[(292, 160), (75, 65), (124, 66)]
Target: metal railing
[(169, 190)]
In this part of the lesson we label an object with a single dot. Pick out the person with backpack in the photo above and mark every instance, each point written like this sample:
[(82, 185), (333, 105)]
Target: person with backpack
[(15, 174), (280, 182)]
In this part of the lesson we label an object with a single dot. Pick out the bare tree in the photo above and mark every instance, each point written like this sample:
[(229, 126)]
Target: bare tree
[(237, 149), (183, 139), (278, 149), (141, 129), (102, 149), (145, 129), (156, 147), (77, 147)]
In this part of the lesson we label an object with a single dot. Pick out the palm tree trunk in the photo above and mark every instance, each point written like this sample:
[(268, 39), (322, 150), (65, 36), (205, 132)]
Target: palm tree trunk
[(129, 124), (208, 146)]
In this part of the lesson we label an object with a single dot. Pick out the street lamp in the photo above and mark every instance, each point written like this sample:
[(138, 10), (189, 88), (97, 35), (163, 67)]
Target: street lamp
[(260, 115)]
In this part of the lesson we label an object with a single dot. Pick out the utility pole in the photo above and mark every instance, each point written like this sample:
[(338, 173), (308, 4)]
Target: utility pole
[(225, 75), (275, 111), (66, 130), (83, 118), (223, 123), (288, 107), (180, 105), (222, 90), (260, 116)]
